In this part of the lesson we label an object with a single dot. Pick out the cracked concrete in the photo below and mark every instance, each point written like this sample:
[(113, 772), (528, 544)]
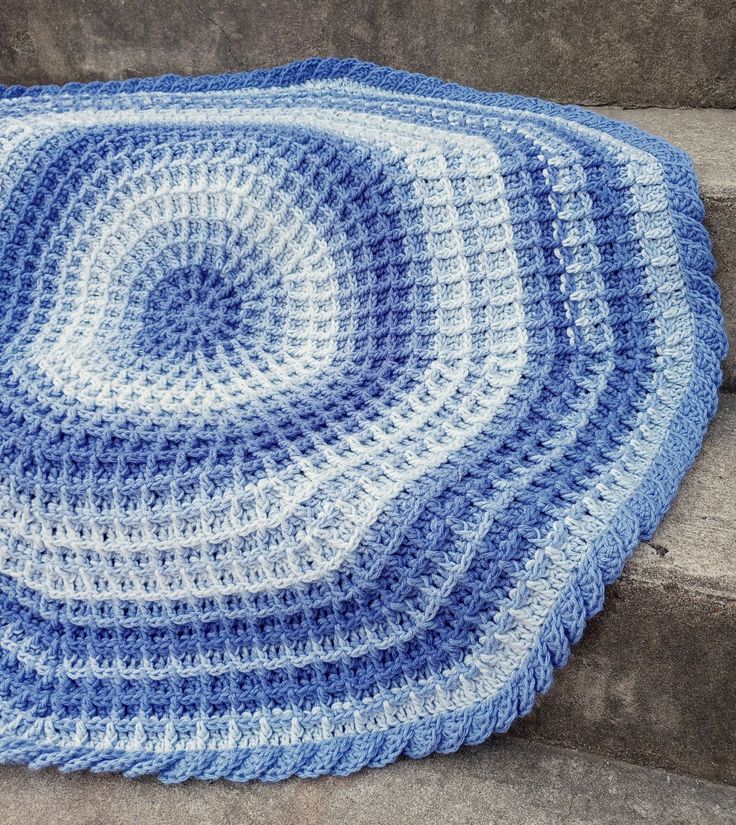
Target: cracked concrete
[(225, 36)]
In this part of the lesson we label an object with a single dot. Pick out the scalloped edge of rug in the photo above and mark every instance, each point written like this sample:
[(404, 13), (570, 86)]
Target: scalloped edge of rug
[(583, 596)]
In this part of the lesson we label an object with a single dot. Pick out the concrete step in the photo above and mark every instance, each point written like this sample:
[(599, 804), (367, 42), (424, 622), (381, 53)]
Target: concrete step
[(656, 53), (654, 679), (709, 136), (505, 781)]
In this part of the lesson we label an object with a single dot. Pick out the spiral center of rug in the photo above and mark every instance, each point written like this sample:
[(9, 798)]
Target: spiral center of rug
[(196, 308)]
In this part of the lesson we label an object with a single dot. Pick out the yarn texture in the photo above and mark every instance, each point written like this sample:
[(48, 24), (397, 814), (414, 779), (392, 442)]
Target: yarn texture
[(331, 398)]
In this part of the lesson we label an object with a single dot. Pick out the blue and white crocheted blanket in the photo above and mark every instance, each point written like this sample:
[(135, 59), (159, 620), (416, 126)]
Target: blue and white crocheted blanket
[(330, 399)]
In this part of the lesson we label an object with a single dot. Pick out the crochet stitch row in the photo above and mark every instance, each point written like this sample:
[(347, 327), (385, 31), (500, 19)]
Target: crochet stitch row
[(331, 397)]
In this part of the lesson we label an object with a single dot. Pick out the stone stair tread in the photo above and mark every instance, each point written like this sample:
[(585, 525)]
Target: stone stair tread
[(506, 780)]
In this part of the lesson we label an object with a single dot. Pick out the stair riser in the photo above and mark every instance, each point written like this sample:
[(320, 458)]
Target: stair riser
[(598, 52), (651, 682)]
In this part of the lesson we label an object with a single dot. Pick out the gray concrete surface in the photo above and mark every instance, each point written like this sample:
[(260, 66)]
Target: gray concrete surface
[(654, 679), (660, 52), (710, 138), (504, 781)]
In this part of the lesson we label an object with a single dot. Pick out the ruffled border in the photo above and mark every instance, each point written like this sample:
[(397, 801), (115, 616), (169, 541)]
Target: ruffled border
[(583, 596)]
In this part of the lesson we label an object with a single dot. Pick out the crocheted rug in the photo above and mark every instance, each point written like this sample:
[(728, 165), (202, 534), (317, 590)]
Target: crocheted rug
[(331, 398)]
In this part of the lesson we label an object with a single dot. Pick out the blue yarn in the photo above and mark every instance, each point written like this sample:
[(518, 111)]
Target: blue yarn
[(331, 398)]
